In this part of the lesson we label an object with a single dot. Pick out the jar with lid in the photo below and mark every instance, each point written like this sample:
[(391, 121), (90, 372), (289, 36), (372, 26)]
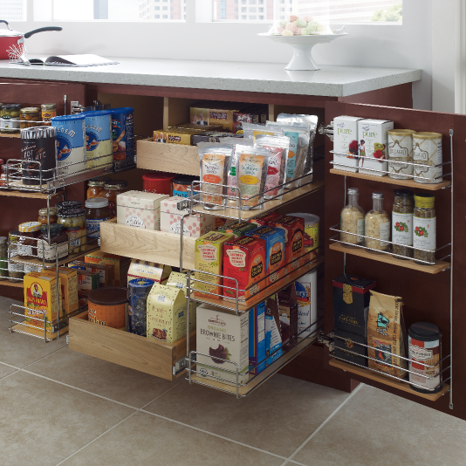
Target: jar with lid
[(9, 118), (402, 222), (58, 243), (424, 228), (15, 269), (69, 205), (73, 221), (377, 224), (352, 219), (97, 211), (52, 216), (27, 243), (96, 187), (28, 117), (3, 258), (112, 189), (48, 111), (182, 184)]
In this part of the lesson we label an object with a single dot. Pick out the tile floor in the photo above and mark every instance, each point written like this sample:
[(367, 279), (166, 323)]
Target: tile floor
[(59, 407)]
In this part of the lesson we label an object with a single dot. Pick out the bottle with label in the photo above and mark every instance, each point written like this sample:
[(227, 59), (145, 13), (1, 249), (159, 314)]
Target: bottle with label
[(97, 211), (58, 243), (402, 222), (352, 220), (377, 225), (27, 242), (424, 228), (111, 190)]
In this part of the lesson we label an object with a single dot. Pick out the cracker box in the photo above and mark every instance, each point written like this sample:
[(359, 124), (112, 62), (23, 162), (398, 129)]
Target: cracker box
[(257, 338), (275, 251), (179, 280), (194, 225), (225, 338), (198, 128), (294, 241), (273, 332), (373, 146), (40, 299), (119, 264), (220, 114), (208, 257), (69, 288), (238, 229), (244, 260), (175, 136), (253, 114), (87, 281), (345, 141), (139, 209), (105, 271), (265, 218), (159, 273), (166, 314), (288, 310)]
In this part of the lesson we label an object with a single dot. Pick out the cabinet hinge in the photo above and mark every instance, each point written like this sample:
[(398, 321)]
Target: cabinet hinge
[(326, 340), (327, 130)]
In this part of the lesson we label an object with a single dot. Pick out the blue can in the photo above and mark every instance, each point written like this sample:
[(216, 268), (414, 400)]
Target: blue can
[(123, 133), (138, 291), (71, 151), (98, 138)]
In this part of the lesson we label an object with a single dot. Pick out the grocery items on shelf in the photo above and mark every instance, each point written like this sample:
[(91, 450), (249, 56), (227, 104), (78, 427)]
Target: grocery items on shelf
[(180, 280), (123, 133), (427, 150), (424, 227), (400, 149), (112, 189), (158, 273), (306, 292), (288, 311), (257, 343), (107, 306), (98, 137), (377, 225), (105, 271), (138, 292), (346, 143), (402, 222), (273, 330), (9, 118), (352, 219), (311, 232), (119, 264), (97, 211)]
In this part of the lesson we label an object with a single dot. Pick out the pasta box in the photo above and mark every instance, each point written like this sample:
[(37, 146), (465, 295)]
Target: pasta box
[(105, 271), (69, 288), (194, 225), (257, 338), (158, 273), (119, 265), (265, 218), (179, 280), (139, 209), (294, 241), (238, 229)]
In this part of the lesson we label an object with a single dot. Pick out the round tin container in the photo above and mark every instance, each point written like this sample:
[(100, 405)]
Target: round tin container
[(107, 306), (181, 185), (98, 138), (157, 182), (122, 133), (400, 148), (427, 150), (138, 291)]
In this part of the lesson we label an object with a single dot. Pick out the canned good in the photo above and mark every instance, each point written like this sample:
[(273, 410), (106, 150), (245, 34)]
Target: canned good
[(181, 185), (122, 133), (98, 138), (400, 148), (28, 117), (427, 150), (157, 182), (107, 306), (9, 118), (48, 111), (138, 291)]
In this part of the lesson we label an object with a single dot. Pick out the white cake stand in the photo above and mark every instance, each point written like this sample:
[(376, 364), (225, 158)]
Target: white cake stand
[(302, 48)]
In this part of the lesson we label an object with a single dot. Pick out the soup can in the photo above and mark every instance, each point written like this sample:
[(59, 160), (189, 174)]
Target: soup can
[(71, 151), (400, 149), (138, 291), (427, 150), (107, 306), (122, 133), (99, 150), (182, 185)]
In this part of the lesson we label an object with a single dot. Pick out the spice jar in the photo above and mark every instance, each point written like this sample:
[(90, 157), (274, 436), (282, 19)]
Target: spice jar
[(111, 191), (58, 243), (73, 221), (27, 245), (352, 219), (28, 117), (48, 111), (377, 224), (3, 258), (182, 184), (9, 112), (402, 222), (15, 269), (97, 211), (424, 227), (96, 187), (52, 216)]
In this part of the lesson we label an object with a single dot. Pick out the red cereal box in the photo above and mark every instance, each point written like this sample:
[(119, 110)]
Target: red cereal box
[(265, 218), (244, 260)]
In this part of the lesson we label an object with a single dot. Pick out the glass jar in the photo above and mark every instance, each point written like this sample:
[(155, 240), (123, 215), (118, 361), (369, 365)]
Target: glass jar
[(3, 258), (74, 223), (48, 111), (53, 211), (15, 269), (28, 117), (352, 219), (97, 211), (424, 227), (26, 246), (69, 205), (402, 222), (377, 225), (9, 112), (112, 189), (58, 243), (96, 188)]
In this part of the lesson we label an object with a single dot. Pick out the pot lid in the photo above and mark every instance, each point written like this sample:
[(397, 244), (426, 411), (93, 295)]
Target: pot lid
[(8, 32)]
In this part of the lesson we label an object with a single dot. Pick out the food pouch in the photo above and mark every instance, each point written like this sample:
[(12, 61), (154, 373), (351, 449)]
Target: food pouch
[(251, 130), (278, 160), (252, 172), (215, 161)]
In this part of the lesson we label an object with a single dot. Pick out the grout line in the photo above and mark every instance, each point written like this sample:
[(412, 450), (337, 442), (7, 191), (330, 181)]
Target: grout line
[(10, 365), (43, 357), (157, 397), (6, 376), (325, 422)]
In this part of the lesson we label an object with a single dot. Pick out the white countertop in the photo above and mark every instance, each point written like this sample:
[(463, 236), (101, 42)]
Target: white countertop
[(330, 81)]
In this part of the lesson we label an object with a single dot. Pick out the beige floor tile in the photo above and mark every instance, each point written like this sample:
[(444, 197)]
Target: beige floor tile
[(277, 417), (146, 440), (375, 427), (21, 350), (104, 378), (5, 370), (43, 422)]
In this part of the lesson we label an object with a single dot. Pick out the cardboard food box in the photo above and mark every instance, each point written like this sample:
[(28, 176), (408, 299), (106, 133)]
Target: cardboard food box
[(288, 310), (238, 229), (373, 146), (119, 264), (198, 128), (175, 136), (294, 241), (211, 114), (265, 218), (252, 114), (166, 314), (180, 280), (105, 271), (69, 288), (257, 339), (225, 338), (244, 260), (159, 273), (87, 281), (194, 225), (139, 209), (275, 251), (40, 299), (273, 332), (209, 136), (351, 297), (346, 141), (208, 257)]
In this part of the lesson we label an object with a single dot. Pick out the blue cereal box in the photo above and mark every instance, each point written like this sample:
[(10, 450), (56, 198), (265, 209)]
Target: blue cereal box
[(257, 338)]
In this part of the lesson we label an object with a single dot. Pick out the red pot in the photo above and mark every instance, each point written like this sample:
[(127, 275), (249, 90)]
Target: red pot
[(12, 42)]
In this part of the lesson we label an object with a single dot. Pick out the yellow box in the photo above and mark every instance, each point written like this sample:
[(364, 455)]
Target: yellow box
[(175, 136), (69, 288), (120, 265), (105, 271), (179, 280)]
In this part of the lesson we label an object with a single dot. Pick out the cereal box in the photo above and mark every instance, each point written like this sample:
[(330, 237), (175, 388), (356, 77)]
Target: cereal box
[(244, 260), (87, 281), (238, 229), (119, 264), (253, 114), (345, 141), (288, 310), (273, 332), (208, 257), (257, 338), (105, 271), (225, 339), (69, 288), (179, 280), (265, 218), (203, 115), (166, 314), (159, 273)]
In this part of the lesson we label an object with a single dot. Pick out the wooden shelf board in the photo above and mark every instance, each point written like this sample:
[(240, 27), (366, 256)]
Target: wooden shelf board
[(386, 179), (379, 378), (228, 306), (12, 284), (10, 135), (29, 195), (440, 266)]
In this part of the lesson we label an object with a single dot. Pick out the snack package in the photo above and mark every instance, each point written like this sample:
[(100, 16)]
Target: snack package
[(251, 131), (215, 161), (278, 160)]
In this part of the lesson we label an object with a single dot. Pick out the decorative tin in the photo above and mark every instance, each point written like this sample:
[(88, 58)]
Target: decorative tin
[(400, 148), (427, 150), (98, 138)]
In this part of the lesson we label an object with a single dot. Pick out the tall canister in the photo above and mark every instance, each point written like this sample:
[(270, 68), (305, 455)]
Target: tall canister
[(306, 290), (138, 291), (122, 133), (98, 138)]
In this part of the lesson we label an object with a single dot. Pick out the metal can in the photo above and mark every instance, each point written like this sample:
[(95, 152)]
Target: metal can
[(427, 150), (138, 291), (98, 138), (157, 182), (182, 184), (122, 133), (48, 111), (71, 151), (9, 118), (400, 148)]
